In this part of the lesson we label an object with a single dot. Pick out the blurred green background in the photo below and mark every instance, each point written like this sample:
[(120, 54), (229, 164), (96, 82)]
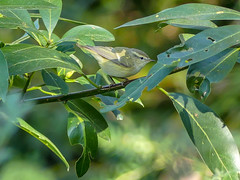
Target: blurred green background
[(149, 143)]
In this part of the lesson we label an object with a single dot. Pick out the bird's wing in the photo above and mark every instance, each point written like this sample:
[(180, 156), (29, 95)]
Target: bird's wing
[(123, 57), (112, 54)]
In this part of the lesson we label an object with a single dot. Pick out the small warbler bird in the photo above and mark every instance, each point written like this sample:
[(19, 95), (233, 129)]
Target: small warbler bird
[(118, 61)]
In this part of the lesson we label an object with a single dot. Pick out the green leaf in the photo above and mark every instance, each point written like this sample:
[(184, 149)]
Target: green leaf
[(191, 24), (192, 11), (50, 16), (134, 90), (11, 23), (54, 83), (86, 34), (80, 131), (203, 45), (25, 36), (185, 36), (25, 4), (19, 19), (96, 118), (66, 47), (107, 100), (209, 134), (211, 70), (25, 58), (3, 77), (43, 139)]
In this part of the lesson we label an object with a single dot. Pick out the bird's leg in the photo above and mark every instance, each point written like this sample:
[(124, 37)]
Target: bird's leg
[(113, 82)]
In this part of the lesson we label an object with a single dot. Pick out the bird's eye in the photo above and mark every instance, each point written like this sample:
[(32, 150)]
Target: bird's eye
[(141, 58)]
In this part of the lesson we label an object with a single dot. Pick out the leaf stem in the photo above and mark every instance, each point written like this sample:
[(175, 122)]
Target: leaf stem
[(90, 81), (163, 90)]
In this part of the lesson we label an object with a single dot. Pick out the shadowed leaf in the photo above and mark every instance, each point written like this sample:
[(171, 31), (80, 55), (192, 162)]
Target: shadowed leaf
[(209, 134)]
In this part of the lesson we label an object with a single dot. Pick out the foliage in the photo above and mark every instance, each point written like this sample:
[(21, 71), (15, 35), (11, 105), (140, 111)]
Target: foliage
[(209, 56)]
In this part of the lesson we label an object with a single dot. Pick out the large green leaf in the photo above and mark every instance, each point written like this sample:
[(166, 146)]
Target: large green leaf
[(203, 45), (25, 4), (19, 19), (86, 34), (43, 139), (209, 134), (211, 70), (50, 16), (25, 58), (192, 11), (80, 131), (191, 24), (3, 77), (134, 90), (96, 118), (54, 83)]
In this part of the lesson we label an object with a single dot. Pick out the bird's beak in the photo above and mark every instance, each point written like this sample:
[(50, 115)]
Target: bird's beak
[(151, 60)]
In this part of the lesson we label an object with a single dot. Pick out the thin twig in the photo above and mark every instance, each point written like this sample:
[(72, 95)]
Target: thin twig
[(37, 15), (88, 92), (27, 83)]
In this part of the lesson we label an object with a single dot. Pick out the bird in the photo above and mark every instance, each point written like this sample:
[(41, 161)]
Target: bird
[(119, 62)]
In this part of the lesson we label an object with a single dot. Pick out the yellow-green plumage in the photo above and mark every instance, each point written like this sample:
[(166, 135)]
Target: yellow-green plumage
[(118, 61)]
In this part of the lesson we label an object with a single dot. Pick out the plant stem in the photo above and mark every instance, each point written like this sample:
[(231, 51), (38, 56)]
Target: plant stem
[(21, 39), (27, 83), (36, 15), (163, 90), (91, 82), (88, 92)]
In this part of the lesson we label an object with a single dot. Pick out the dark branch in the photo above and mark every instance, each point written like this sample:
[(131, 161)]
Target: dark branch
[(88, 92)]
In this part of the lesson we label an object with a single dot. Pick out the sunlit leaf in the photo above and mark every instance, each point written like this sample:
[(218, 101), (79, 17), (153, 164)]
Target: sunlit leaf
[(192, 11), (43, 139), (80, 131), (95, 117), (209, 134), (191, 24), (54, 83), (25, 58), (50, 16), (3, 77), (202, 46), (25, 4), (86, 34), (211, 70)]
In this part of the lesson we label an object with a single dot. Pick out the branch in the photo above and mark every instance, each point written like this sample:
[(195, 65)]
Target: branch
[(88, 92)]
